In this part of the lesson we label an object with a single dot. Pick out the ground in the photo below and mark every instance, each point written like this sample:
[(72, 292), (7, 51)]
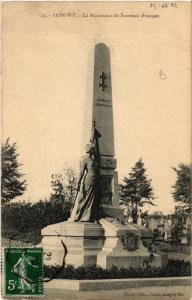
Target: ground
[(147, 293), (174, 251), (14, 243)]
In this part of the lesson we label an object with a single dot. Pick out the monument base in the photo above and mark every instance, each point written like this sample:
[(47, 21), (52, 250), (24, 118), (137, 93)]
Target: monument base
[(123, 247), (76, 243), (106, 244)]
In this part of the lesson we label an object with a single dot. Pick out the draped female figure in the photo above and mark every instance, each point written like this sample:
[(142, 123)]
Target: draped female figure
[(88, 200)]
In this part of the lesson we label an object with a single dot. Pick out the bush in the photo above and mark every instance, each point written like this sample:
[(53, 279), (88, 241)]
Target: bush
[(174, 268), (24, 217)]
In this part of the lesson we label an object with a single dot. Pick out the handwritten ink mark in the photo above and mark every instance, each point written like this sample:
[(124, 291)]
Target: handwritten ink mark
[(162, 74)]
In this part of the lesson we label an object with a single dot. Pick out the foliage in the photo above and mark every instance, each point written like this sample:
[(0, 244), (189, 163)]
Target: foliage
[(22, 219), (136, 189), (12, 182), (25, 217), (171, 248), (144, 217), (64, 186), (182, 188), (173, 268), (176, 232)]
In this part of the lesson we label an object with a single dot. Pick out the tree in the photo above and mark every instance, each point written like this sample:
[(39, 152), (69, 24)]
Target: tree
[(136, 189), (182, 188), (12, 182), (64, 186)]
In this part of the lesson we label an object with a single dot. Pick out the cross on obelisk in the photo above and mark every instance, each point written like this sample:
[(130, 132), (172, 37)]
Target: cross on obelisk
[(102, 83)]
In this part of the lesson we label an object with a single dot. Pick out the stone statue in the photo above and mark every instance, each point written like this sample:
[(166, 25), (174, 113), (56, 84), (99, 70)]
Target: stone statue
[(88, 199)]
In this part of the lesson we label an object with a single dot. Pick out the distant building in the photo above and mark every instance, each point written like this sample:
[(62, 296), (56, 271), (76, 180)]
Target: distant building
[(156, 219), (172, 226)]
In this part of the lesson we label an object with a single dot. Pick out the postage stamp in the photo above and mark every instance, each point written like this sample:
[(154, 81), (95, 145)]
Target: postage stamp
[(23, 271)]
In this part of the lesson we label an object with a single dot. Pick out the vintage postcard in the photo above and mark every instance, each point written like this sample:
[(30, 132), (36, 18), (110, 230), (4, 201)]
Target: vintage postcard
[(96, 150)]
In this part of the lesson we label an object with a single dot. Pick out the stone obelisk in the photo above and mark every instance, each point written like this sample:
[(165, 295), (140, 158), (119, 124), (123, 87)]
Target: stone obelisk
[(102, 100), (102, 116)]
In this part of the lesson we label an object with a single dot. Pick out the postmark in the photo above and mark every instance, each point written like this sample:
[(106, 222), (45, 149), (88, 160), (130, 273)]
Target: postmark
[(23, 271)]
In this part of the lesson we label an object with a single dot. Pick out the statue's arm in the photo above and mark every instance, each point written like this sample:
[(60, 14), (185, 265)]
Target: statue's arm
[(82, 172)]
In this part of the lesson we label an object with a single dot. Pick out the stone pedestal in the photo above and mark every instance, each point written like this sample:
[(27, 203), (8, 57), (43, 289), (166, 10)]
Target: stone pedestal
[(123, 247), (106, 244), (83, 241)]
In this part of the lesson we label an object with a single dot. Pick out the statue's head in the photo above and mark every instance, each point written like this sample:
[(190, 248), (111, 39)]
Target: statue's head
[(90, 149)]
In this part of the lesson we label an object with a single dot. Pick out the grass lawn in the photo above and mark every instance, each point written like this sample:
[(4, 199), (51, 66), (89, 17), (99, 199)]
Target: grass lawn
[(173, 250), (14, 243), (21, 238)]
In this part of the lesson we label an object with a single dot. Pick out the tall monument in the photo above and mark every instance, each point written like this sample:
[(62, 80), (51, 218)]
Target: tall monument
[(102, 116), (90, 237)]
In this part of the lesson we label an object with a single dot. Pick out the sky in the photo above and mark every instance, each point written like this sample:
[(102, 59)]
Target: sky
[(47, 87)]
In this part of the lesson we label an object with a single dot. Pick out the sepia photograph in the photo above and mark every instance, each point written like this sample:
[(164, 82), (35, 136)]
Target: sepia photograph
[(96, 150)]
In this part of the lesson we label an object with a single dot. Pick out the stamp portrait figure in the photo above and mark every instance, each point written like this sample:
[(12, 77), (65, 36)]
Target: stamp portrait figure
[(21, 268)]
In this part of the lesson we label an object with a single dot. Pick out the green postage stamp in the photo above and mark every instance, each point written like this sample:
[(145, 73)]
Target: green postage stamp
[(23, 271)]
